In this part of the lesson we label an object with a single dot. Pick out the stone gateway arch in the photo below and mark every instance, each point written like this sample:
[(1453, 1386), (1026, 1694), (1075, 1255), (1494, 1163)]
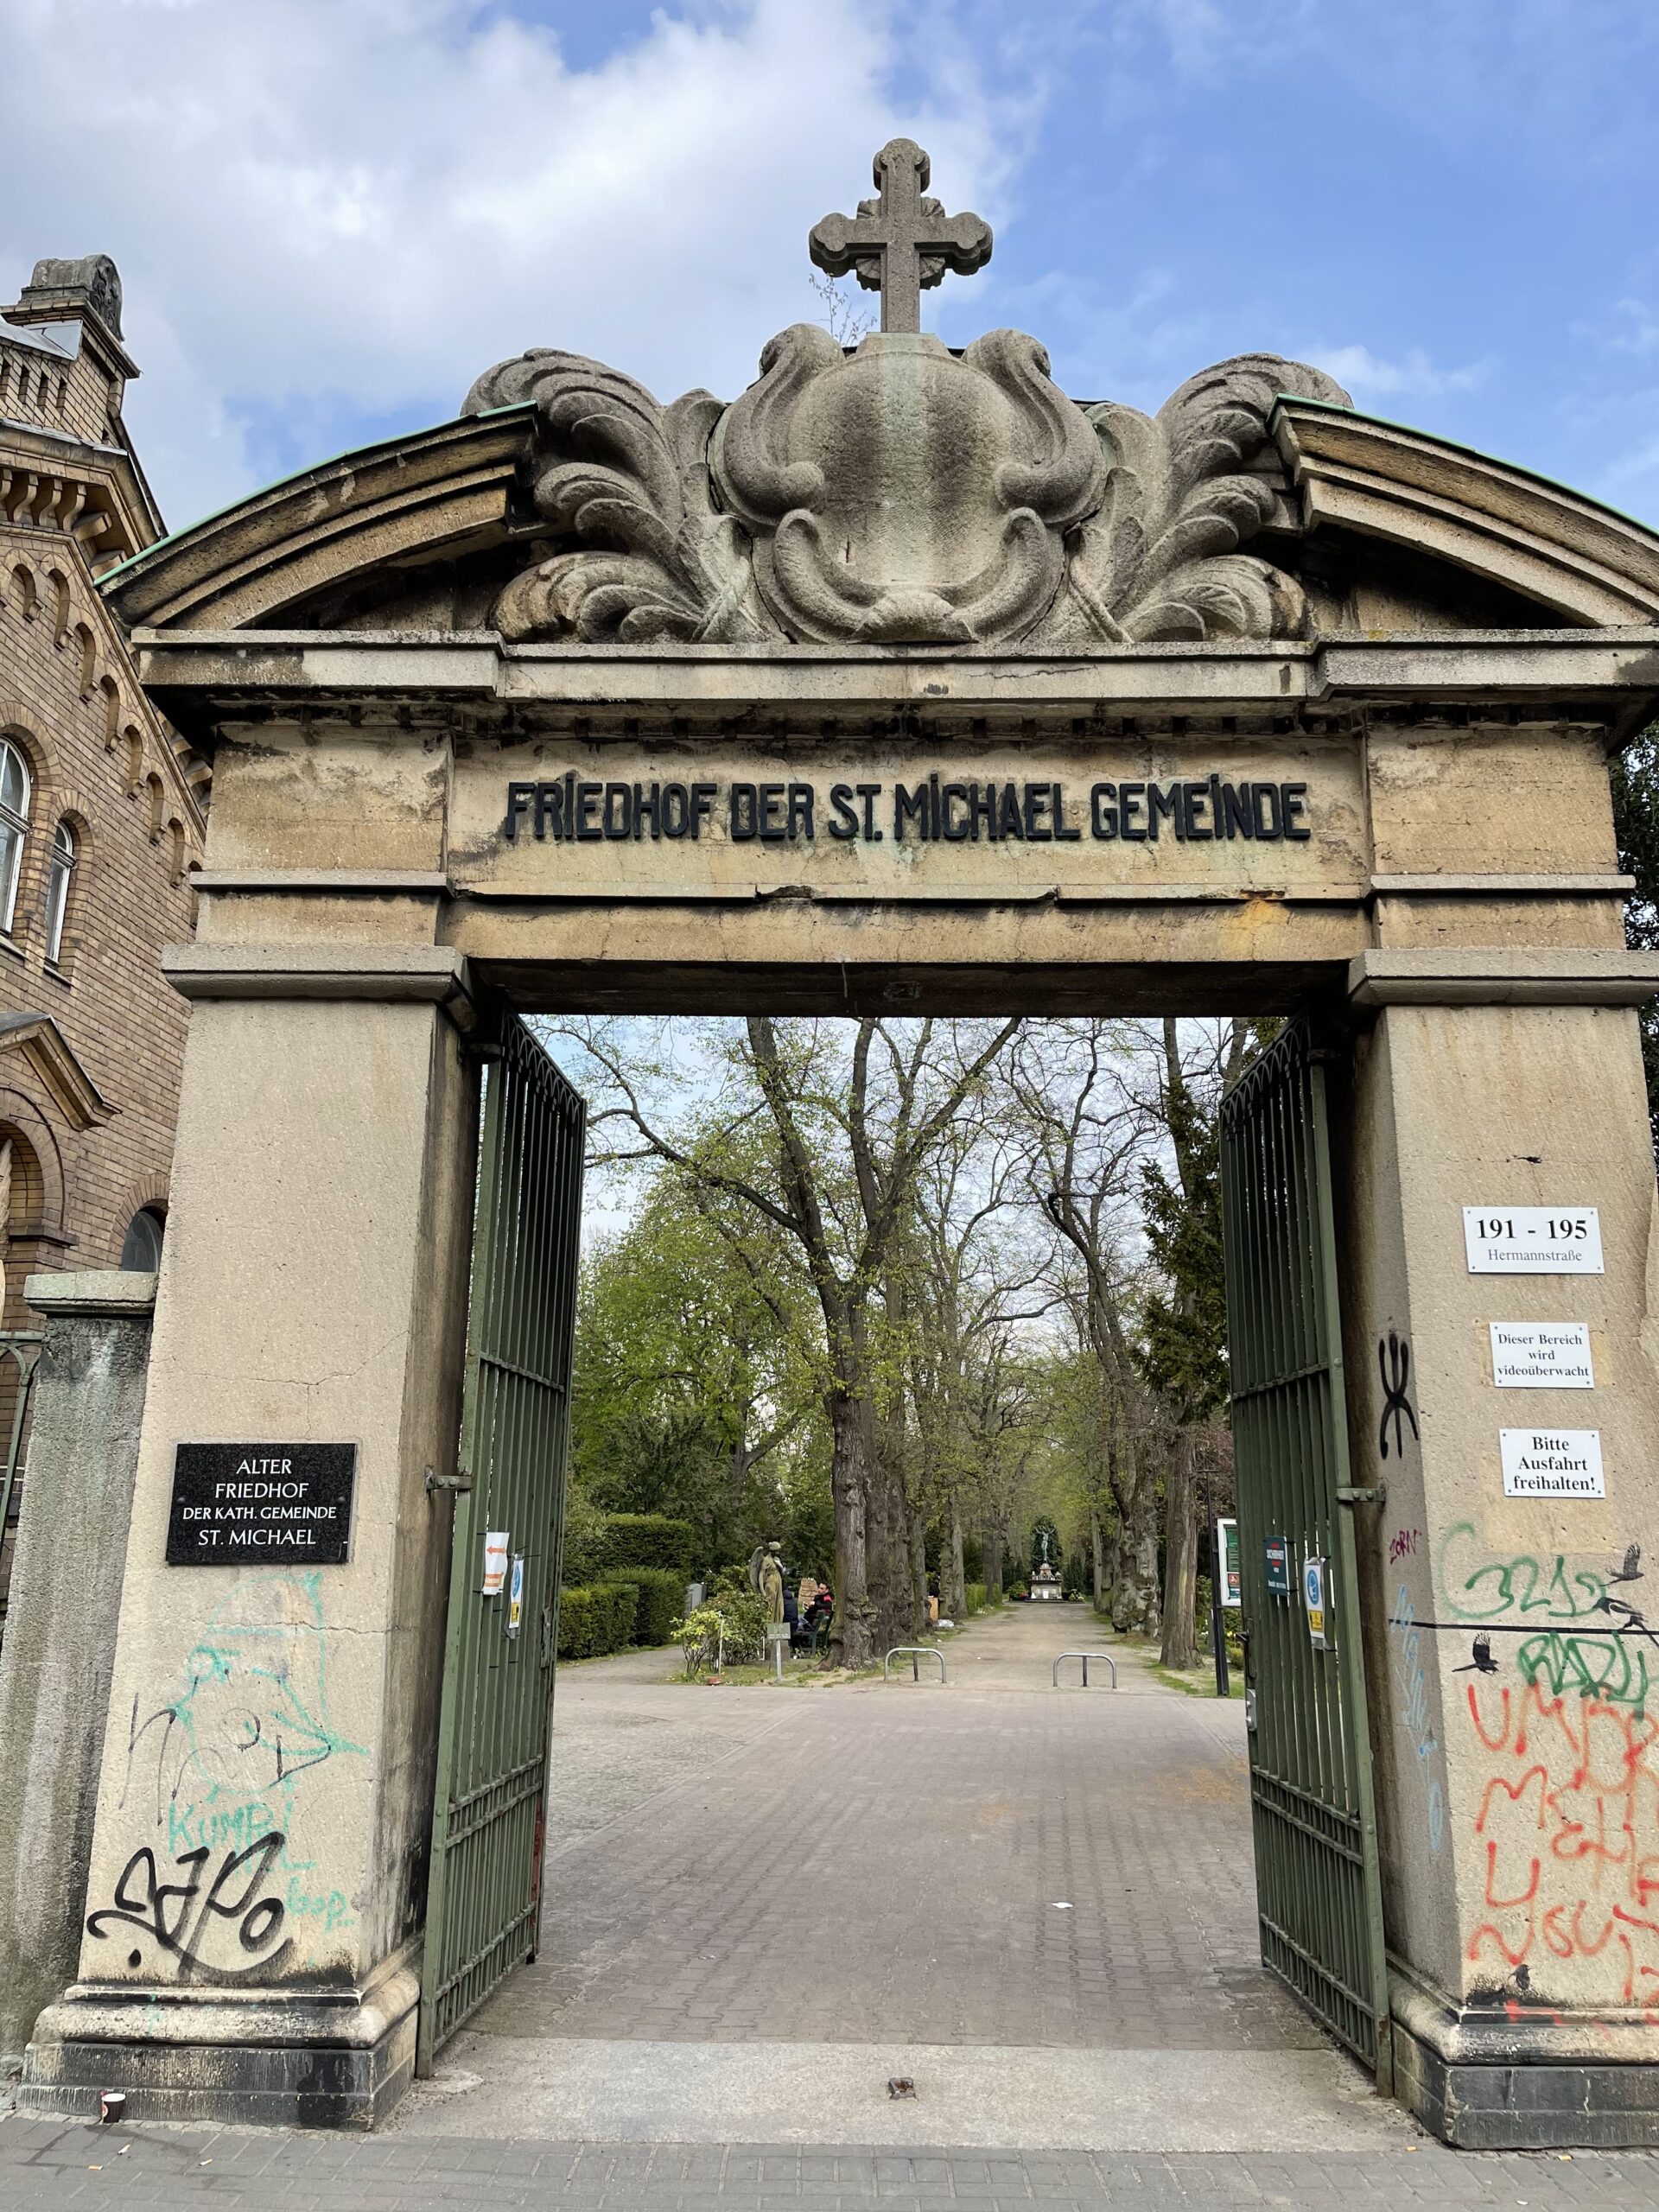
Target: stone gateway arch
[(907, 681)]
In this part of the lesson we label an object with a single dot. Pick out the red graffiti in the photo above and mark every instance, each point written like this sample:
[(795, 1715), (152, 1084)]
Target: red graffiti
[(1569, 1823), (1403, 1544)]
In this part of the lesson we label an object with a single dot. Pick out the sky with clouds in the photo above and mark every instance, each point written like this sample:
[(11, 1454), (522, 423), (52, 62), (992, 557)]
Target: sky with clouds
[(330, 215)]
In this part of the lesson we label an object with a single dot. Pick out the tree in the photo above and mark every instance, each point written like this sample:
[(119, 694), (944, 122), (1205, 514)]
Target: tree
[(1183, 1353), (1071, 1096), (817, 1132), (689, 1389), (969, 1278), (1635, 827)]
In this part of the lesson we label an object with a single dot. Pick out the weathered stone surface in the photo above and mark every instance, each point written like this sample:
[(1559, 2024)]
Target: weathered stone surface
[(1185, 489), (614, 468), (60, 1644), (905, 495), (91, 280), (901, 242)]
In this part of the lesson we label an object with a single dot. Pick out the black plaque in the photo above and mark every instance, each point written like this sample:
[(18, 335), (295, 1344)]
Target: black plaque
[(248, 1504)]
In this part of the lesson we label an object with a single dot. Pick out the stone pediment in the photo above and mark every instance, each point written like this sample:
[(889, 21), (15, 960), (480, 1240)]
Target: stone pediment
[(902, 494), (37, 1040)]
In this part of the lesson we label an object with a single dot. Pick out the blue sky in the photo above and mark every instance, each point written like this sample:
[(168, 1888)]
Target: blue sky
[(331, 214)]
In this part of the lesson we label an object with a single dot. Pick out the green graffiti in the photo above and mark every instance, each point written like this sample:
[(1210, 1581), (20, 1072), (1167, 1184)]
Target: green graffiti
[(1610, 1668), (1523, 1586)]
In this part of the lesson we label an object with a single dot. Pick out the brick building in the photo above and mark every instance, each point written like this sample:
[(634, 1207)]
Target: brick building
[(101, 808)]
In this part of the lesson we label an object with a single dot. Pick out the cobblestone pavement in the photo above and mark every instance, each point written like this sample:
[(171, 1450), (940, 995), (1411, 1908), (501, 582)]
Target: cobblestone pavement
[(46, 2165), (989, 1862), (1041, 1905)]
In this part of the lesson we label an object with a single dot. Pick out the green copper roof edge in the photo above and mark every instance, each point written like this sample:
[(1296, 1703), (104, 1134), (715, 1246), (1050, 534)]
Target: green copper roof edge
[(1476, 452), (216, 514)]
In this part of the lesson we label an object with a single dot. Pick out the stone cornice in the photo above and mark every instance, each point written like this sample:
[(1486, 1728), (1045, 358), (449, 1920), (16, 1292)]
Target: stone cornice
[(428, 975), (419, 494), (1609, 677), (1585, 562), (94, 494), (1531, 976)]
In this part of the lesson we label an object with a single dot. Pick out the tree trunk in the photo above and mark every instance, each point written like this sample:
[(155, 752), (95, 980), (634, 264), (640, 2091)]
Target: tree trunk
[(919, 1568), (992, 1545), (953, 1588), (1136, 1606), (853, 1638), (1097, 1557), (909, 1610), (1180, 1555)]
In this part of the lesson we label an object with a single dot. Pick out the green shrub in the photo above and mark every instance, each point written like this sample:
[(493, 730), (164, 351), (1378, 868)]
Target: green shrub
[(738, 1617), (973, 1599), (584, 1539), (647, 1539), (600, 1546), (596, 1619), (662, 1600)]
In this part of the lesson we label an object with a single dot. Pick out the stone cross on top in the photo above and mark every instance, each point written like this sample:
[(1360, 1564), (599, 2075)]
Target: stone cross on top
[(902, 242)]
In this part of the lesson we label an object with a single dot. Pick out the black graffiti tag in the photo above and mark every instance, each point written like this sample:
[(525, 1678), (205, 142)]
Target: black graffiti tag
[(177, 1915), (1393, 1364)]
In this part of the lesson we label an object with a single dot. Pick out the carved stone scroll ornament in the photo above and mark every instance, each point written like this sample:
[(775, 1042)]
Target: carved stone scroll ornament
[(1185, 489), (904, 495), (628, 479)]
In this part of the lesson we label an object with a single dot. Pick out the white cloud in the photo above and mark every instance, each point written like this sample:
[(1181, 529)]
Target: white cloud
[(1411, 374), (1634, 328), (327, 212)]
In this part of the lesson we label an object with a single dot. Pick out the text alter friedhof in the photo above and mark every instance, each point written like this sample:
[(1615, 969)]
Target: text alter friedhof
[(1541, 1356), (1552, 1462), (234, 1504), (1533, 1240)]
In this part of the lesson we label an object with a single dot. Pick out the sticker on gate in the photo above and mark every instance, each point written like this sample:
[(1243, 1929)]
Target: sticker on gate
[(1313, 1597)]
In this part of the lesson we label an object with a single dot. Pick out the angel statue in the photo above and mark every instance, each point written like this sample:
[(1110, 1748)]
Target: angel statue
[(767, 1578)]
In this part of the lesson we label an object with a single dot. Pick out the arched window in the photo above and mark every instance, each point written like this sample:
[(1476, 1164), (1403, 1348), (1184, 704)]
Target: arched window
[(141, 1249), (14, 827), (61, 870)]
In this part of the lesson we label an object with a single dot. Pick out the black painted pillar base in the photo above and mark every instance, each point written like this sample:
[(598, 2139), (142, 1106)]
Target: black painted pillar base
[(269, 2059), (1502, 2077)]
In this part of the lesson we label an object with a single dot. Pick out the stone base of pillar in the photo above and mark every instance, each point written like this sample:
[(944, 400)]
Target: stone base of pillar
[(317, 2059), (1500, 2077)]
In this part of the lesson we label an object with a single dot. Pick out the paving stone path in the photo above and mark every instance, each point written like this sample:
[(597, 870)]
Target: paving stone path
[(990, 1862), (45, 2167), (761, 1904)]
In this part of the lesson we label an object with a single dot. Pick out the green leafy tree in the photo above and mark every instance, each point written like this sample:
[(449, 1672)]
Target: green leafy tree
[(688, 1392), (804, 1144), (1635, 825)]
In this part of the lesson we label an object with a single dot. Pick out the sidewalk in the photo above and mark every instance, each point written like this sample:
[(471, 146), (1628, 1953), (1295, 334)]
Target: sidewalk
[(45, 2167)]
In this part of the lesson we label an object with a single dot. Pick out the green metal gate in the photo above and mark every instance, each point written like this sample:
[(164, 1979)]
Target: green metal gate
[(1319, 1897), (484, 1894)]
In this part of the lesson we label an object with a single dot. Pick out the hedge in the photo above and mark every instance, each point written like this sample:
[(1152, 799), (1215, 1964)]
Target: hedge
[(662, 1600), (597, 1619), (974, 1595), (600, 1544)]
